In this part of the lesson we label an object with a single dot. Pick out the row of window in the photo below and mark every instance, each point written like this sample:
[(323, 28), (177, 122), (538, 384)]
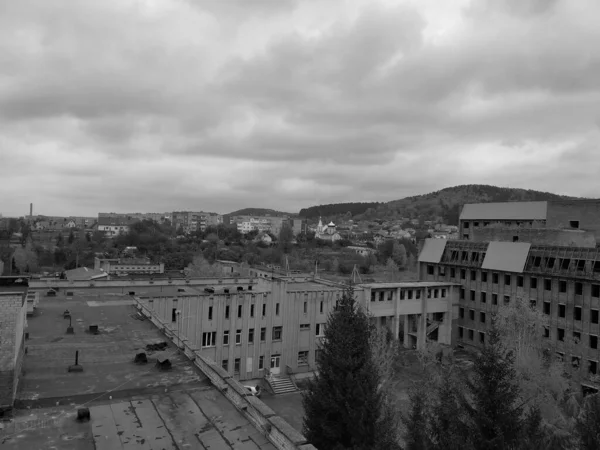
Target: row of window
[(252, 307), (302, 361), (209, 338), (533, 281), (407, 294), (471, 334)]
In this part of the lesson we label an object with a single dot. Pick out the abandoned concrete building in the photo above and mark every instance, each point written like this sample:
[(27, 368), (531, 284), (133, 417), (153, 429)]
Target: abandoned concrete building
[(575, 219), (497, 265), (13, 323)]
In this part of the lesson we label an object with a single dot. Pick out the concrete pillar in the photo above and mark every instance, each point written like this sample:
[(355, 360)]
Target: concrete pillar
[(406, 324)]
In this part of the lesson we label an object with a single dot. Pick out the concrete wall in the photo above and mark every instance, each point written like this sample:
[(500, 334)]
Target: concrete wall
[(112, 284), (587, 212), (194, 321), (278, 431), (543, 236), (13, 310)]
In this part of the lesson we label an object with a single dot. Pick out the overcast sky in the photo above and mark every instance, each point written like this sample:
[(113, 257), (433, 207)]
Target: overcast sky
[(215, 105)]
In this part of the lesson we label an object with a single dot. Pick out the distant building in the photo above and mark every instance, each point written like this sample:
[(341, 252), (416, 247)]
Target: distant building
[(128, 265), (114, 225), (85, 274), (327, 232), (564, 214), (362, 251)]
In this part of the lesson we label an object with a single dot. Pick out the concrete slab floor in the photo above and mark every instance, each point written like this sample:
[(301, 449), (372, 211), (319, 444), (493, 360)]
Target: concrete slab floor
[(196, 419), (106, 358), (288, 406), (131, 406)]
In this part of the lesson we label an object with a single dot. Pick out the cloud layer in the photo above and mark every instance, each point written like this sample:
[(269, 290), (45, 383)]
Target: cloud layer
[(157, 105)]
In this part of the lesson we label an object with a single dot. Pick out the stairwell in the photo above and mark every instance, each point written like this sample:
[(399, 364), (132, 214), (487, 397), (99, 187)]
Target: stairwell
[(281, 385)]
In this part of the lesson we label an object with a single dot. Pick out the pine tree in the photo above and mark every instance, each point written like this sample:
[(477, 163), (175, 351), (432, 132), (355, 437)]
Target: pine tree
[(588, 423), (494, 407), (415, 437), (447, 429), (344, 407)]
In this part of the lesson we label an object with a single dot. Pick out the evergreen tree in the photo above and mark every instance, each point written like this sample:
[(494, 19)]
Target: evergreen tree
[(447, 429), (588, 423), (415, 437), (494, 408), (60, 240), (71, 237), (344, 407)]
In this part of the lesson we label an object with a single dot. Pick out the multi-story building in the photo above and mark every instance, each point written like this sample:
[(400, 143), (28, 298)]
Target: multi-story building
[(559, 215), (277, 326), (127, 265), (497, 266), (113, 225), (191, 221), (13, 315)]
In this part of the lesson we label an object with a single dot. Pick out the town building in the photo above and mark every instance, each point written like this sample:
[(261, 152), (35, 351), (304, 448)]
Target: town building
[(327, 232), (83, 273), (113, 225), (557, 215), (555, 270), (127, 265)]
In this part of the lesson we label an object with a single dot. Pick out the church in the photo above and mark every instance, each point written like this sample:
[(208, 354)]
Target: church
[(327, 232)]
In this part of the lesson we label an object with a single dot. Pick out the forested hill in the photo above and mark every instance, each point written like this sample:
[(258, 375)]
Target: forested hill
[(259, 212), (445, 203), (336, 209)]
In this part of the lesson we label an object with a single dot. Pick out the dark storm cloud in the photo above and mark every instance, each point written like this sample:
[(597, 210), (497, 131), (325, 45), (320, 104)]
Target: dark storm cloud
[(215, 105)]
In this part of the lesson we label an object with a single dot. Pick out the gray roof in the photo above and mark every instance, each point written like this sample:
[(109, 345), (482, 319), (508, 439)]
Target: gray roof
[(432, 250), (505, 211), (506, 256), (83, 273)]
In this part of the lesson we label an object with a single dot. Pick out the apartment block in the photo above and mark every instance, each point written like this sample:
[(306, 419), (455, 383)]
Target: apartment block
[(562, 282), (278, 329), (127, 265), (553, 215)]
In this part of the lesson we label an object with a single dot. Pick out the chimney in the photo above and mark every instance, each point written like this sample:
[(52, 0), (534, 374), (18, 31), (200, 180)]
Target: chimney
[(31, 210)]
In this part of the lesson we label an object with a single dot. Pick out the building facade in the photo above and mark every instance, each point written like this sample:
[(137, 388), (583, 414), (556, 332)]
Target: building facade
[(279, 330), (13, 317), (127, 265), (564, 215), (113, 225), (563, 282)]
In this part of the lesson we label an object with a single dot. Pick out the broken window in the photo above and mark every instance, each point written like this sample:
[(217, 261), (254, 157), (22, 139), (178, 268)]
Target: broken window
[(463, 274), (577, 313), (562, 310), (461, 312), (547, 308), (473, 275), (452, 272), (482, 337), (578, 288), (562, 286), (494, 299), (494, 278), (546, 332), (471, 335), (484, 276), (472, 295), (575, 362), (565, 263), (533, 283), (576, 337), (593, 367), (561, 334), (515, 238), (547, 284), (483, 297), (574, 224), (461, 332), (594, 316), (581, 265), (472, 314), (520, 281), (429, 269), (482, 317), (593, 341), (507, 279)]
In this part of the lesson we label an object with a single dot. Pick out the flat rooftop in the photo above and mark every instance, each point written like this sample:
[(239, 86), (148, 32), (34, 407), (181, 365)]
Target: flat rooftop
[(131, 406), (311, 286)]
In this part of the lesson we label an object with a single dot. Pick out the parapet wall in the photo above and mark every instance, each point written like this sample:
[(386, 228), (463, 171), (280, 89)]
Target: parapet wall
[(37, 284), (537, 236), (282, 435)]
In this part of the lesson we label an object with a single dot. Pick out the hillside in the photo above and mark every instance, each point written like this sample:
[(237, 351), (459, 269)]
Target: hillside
[(259, 212), (336, 209), (445, 204)]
